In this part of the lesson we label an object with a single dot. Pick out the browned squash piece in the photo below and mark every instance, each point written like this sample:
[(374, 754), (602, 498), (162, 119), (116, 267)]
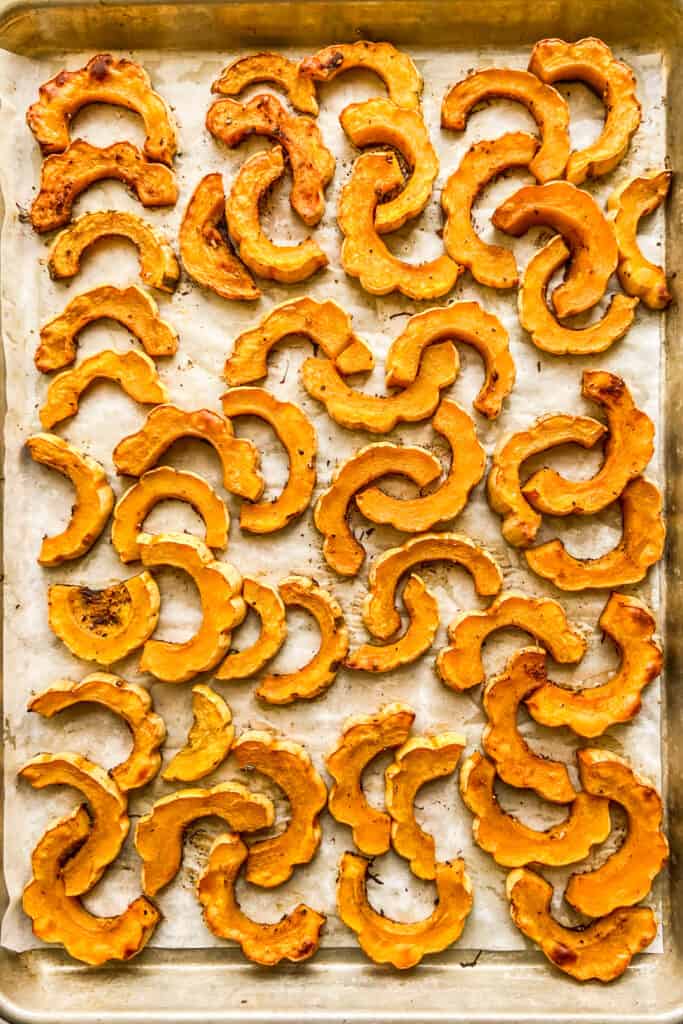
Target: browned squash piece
[(547, 333), (363, 738), (423, 622), (420, 760), (104, 625), (270, 608), (341, 550), (317, 674), (65, 175), (396, 69), (513, 844), (208, 741), (93, 502), (295, 937), (601, 950), (104, 79), (205, 252), (272, 861), (460, 664), (107, 808), (165, 424), (130, 307), (297, 435), (591, 61), (272, 68), (636, 198), (312, 164), (547, 107), (131, 703), (58, 917), (364, 255)]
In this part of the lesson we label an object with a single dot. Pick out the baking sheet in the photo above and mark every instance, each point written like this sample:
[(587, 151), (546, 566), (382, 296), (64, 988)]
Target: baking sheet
[(36, 502)]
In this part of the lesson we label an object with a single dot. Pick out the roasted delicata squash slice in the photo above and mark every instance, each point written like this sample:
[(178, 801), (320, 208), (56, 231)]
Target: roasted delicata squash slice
[(311, 163), (130, 307), (317, 674), (363, 738), (460, 664), (285, 263), (636, 198), (165, 424), (94, 498), (341, 550), (104, 625), (107, 809), (468, 461), (381, 122), (420, 760), (423, 622), (396, 69), (219, 585), (547, 107), (641, 546), (208, 741), (275, 69), (364, 255), (601, 950), (513, 844), (58, 917), (547, 333), (297, 435), (591, 61), (270, 608), (163, 484), (65, 175), (272, 861), (205, 250), (159, 834), (295, 937), (130, 702)]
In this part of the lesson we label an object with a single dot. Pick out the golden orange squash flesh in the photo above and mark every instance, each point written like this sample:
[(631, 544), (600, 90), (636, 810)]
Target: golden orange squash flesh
[(423, 622), (270, 608), (273, 68), (396, 69), (637, 198), (208, 741)]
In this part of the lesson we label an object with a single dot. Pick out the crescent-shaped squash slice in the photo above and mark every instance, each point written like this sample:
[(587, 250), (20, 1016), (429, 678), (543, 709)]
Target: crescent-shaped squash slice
[(516, 763), (108, 807), (547, 333), (578, 218), (341, 550), (297, 435), (379, 609), (94, 497), (286, 263), (547, 107), (272, 68), (208, 741), (636, 198), (272, 861), (165, 424), (400, 943), (205, 252), (132, 703), (311, 162), (489, 264), (468, 461), (363, 738), (396, 69), (423, 622), (381, 122), (219, 585), (590, 711), (521, 522), (270, 608), (130, 307), (160, 833), (591, 61), (317, 674), (513, 844), (364, 255), (420, 760), (65, 175), (104, 625), (601, 950), (295, 937), (641, 546), (58, 917), (460, 664), (461, 321)]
